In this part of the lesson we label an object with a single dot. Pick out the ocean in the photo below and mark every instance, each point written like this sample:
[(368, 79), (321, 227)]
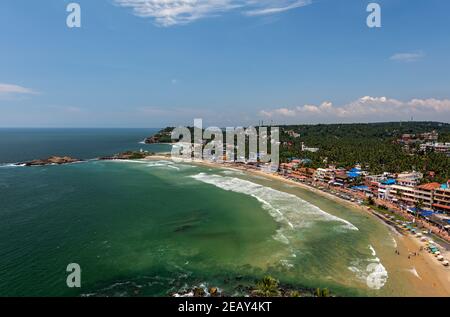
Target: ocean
[(157, 228)]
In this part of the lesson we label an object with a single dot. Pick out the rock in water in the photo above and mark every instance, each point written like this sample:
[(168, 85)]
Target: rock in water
[(51, 160)]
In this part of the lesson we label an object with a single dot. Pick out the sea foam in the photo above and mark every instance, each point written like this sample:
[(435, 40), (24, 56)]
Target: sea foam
[(11, 165), (370, 270)]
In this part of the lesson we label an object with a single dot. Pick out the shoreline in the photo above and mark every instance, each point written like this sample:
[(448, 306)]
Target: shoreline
[(427, 274)]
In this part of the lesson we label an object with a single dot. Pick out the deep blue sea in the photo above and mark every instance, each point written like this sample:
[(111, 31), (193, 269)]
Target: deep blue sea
[(18, 145)]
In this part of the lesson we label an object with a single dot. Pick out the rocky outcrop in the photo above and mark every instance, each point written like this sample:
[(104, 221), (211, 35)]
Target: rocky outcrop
[(129, 155), (152, 140), (53, 160), (163, 136)]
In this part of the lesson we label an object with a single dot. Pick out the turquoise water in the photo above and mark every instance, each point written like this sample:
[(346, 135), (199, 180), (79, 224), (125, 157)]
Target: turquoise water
[(153, 228)]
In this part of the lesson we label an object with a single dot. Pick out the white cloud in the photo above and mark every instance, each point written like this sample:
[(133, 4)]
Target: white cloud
[(9, 89), (174, 12), (366, 109), (407, 57), (280, 8)]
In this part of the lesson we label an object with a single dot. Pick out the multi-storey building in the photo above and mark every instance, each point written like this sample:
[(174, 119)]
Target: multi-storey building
[(412, 196), (424, 194), (324, 175), (401, 195), (441, 198), (436, 147), (407, 182)]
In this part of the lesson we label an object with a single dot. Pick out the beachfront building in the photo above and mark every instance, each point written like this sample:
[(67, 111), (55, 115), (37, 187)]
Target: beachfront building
[(384, 187), (341, 179), (411, 196), (401, 195), (441, 198), (287, 168), (324, 175), (306, 172), (379, 184), (424, 194)]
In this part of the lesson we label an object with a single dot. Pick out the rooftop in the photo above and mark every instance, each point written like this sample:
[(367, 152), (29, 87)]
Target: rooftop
[(429, 186)]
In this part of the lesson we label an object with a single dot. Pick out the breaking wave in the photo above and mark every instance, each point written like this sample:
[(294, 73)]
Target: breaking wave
[(283, 207), (370, 270), (11, 165)]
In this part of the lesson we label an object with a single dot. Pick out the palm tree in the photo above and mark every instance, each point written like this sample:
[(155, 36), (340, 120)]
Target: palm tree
[(419, 206), (267, 287)]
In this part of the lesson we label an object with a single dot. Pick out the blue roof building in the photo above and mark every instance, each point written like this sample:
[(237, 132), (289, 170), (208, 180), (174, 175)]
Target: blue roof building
[(389, 181)]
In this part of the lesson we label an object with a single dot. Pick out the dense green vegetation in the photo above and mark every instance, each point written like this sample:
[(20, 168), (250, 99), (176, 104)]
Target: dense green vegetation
[(371, 145)]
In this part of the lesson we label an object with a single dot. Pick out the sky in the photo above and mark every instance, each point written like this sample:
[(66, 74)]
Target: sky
[(154, 63)]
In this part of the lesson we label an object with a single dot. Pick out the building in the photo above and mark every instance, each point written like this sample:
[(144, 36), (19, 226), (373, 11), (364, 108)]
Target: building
[(411, 196), (413, 177), (407, 182), (309, 149), (424, 193), (402, 195), (341, 179), (324, 175), (287, 168), (441, 198), (429, 136), (443, 148), (306, 172), (382, 188), (293, 134)]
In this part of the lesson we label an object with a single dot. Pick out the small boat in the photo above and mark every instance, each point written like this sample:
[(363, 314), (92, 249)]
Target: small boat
[(440, 258), (437, 253), (445, 263)]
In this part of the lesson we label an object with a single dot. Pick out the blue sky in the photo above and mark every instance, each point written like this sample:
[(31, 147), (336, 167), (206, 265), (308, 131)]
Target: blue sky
[(230, 62)]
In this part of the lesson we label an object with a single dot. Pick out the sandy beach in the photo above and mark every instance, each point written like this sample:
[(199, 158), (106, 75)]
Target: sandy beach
[(427, 275)]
